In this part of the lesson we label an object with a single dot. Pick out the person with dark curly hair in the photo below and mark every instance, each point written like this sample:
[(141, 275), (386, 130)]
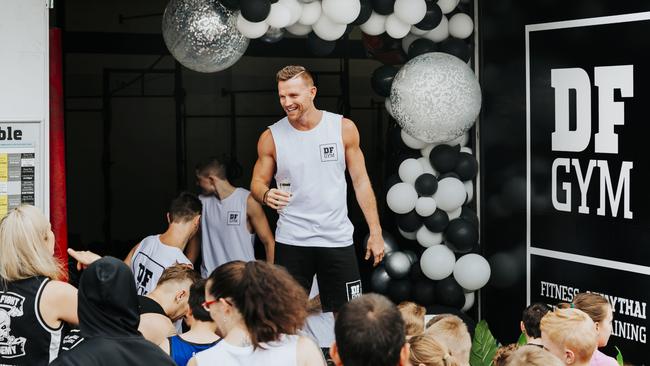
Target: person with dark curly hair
[(259, 309)]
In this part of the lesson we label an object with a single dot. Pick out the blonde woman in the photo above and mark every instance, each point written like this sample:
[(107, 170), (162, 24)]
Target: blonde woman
[(34, 304), (425, 351)]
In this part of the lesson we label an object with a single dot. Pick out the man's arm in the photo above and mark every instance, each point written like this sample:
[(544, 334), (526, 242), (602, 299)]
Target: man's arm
[(363, 189), (260, 225), (129, 256), (263, 173)]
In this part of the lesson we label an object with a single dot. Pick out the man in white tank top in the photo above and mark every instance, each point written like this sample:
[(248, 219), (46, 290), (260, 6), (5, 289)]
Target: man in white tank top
[(149, 258), (230, 219), (309, 151)]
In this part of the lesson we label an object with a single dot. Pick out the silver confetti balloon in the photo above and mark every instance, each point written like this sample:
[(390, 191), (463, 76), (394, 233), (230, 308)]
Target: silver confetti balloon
[(435, 97), (202, 34)]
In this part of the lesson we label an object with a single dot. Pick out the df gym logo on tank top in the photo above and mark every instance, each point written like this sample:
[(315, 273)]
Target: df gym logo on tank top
[(328, 152), (233, 217), (11, 305)]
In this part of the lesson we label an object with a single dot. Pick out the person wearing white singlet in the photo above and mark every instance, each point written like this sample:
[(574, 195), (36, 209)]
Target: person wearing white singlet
[(275, 306), (309, 151), (231, 218), (149, 258)]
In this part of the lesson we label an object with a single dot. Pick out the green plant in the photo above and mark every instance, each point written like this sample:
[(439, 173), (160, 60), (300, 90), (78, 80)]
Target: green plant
[(522, 339), (619, 356), (484, 346)]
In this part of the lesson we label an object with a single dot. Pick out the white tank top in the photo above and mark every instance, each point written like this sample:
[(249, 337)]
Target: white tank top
[(224, 230), (314, 163), (281, 353), (149, 261)]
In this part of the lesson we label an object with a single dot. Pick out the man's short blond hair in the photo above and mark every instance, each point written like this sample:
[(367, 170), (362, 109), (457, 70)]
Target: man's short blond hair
[(452, 332), (292, 71), (532, 356), (178, 272), (572, 329), (413, 315)]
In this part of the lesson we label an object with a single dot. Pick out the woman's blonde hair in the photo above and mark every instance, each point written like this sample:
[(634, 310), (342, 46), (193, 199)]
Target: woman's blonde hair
[(426, 351), (23, 249), (413, 315)]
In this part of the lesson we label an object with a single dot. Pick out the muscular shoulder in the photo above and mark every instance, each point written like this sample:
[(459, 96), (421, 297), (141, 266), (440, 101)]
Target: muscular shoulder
[(350, 132), (266, 145), (155, 327), (56, 291)]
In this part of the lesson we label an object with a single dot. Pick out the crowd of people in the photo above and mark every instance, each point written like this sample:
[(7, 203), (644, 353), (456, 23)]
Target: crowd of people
[(155, 308)]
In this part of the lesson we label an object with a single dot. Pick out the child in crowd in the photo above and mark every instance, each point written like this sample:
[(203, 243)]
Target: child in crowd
[(600, 311)]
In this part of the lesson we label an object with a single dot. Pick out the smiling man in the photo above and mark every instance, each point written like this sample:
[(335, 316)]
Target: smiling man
[(309, 151)]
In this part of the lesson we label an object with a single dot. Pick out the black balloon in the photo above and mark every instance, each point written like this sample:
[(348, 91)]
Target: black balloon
[(383, 7), (437, 222), (444, 158), (318, 46), (384, 49), (379, 280), (255, 10), (413, 257), (456, 47), (432, 17), (461, 235), (409, 222), (390, 244), (449, 293), (415, 273), (469, 215), (426, 184), (382, 78), (421, 46), (467, 166), (364, 14), (400, 290), (448, 175), (397, 265), (424, 292), (230, 4)]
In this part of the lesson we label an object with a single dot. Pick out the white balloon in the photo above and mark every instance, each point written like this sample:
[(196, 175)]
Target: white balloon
[(469, 301), (447, 6), (410, 11), (401, 198), (406, 41), (388, 107), (280, 16), (461, 26), (396, 28), (375, 25), (439, 33), (467, 150), (472, 271), (455, 213), (411, 141), (437, 262), (342, 11), (310, 13), (425, 206), (450, 194), (327, 29), (299, 29), (295, 8), (249, 29), (426, 151), (417, 31), (426, 166), (409, 170), (469, 188), (408, 235), (428, 238)]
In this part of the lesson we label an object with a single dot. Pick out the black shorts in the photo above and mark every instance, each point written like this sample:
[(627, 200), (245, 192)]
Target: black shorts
[(336, 270)]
